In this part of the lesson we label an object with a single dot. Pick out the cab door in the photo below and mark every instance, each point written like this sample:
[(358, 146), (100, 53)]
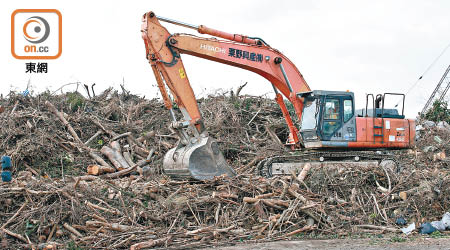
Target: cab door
[(338, 119), (331, 118)]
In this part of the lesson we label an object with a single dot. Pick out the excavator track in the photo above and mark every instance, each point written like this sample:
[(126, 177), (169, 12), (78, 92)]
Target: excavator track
[(294, 160)]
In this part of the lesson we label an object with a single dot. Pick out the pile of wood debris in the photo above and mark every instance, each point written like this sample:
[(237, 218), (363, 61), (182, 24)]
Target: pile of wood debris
[(79, 178)]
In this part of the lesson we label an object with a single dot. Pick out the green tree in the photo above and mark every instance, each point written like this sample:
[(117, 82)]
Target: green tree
[(438, 112)]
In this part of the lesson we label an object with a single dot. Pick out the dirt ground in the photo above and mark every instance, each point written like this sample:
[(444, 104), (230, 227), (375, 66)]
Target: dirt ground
[(348, 244)]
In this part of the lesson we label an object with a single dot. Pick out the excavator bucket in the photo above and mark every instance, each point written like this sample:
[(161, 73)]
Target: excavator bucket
[(201, 160)]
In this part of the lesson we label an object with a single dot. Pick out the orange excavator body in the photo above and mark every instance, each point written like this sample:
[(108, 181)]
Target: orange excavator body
[(197, 154)]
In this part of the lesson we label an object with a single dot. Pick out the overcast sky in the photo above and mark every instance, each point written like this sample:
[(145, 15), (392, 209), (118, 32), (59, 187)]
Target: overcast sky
[(361, 46)]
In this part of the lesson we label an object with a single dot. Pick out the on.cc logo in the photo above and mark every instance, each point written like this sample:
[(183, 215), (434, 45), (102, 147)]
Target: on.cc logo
[(36, 29), (36, 34)]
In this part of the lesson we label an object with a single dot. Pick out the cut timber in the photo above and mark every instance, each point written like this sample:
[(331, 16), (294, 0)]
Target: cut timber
[(439, 156), (303, 229), (93, 206), (301, 177), (99, 159), (125, 171), (116, 146), (374, 227), (115, 157), (127, 157), (269, 202), (97, 170), (140, 151), (149, 243), (18, 236), (72, 230), (112, 226)]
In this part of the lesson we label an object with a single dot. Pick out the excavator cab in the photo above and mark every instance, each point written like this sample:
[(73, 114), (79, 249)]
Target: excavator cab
[(328, 118)]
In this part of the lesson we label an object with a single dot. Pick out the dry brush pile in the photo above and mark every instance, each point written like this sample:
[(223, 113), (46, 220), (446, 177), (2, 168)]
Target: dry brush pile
[(53, 203)]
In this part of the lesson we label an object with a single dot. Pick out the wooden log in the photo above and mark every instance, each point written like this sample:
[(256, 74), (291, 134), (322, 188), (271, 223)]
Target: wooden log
[(91, 205), (83, 178), (259, 210), (114, 157), (374, 227), (97, 170), (112, 226), (125, 171), (18, 236), (135, 141), (250, 199), (99, 218), (55, 226), (32, 170), (301, 177), (146, 136), (305, 228), (127, 157), (263, 196), (149, 243), (224, 195), (270, 202), (140, 151), (277, 202), (296, 195), (116, 146), (200, 230), (99, 159), (72, 230), (110, 154), (439, 156)]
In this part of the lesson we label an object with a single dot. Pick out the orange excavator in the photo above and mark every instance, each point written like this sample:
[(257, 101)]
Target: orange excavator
[(329, 126)]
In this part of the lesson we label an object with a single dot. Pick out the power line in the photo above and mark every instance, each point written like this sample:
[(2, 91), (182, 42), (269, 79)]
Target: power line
[(425, 72)]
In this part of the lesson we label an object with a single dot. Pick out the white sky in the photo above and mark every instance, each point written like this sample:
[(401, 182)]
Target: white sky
[(361, 46)]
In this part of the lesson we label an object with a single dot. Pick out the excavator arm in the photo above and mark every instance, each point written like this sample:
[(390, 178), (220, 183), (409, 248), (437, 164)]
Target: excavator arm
[(163, 51)]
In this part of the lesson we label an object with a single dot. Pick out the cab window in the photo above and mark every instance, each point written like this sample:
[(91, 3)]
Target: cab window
[(348, 110), (332, 109)]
